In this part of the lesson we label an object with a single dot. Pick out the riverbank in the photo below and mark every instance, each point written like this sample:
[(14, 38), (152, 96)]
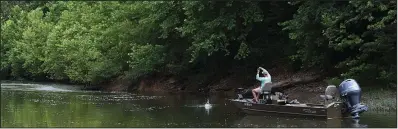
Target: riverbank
[(306, 91), (376, 99), (380, 100), (283, 76)]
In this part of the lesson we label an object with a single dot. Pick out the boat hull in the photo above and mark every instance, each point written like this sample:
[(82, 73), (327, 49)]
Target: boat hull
[(333, 110)]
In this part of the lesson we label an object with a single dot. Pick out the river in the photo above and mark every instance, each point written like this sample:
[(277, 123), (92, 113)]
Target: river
[(52, 105)]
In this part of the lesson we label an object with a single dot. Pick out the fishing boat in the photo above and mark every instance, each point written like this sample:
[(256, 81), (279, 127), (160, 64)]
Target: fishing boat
[(339, 102)]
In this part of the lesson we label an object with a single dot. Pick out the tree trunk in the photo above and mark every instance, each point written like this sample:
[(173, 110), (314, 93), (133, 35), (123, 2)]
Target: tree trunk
[(294, 81)]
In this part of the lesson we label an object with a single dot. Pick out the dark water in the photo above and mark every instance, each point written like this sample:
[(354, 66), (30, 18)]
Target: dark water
[(65, 106)]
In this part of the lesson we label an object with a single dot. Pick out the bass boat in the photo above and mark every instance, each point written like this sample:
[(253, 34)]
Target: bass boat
[(341, 102)]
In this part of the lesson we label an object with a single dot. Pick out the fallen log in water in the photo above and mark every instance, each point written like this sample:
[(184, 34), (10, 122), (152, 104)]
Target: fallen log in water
[(294, 81), (285, 84)]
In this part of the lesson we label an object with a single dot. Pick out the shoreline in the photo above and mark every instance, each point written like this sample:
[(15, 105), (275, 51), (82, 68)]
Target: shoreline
[(376, 99)]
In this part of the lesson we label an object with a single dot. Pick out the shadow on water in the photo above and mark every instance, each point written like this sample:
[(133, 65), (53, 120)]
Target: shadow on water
[(35, 105)]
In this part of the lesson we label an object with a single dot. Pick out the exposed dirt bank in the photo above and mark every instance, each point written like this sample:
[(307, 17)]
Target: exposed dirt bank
[(302, 85)]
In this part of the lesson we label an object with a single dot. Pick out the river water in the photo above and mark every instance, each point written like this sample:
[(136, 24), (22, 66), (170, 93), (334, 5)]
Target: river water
[(51, 105)]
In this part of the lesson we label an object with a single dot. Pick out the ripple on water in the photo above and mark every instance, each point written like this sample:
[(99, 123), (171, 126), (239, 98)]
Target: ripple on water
[(200, 105), (117, 98), (155, 108), (50, 88), (33, 87)]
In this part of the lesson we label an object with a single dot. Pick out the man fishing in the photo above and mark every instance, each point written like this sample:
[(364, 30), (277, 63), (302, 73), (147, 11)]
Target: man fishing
[(264, 80)]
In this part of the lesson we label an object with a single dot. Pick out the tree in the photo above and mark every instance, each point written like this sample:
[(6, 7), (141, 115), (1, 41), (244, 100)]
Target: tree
[(357, 38)]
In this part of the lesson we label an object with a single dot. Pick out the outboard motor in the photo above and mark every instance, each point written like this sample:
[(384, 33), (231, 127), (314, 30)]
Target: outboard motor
[(351, 92)]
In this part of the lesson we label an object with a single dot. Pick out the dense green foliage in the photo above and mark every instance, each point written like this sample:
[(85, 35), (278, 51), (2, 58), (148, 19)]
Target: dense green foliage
[(91, 42), (358, 37)]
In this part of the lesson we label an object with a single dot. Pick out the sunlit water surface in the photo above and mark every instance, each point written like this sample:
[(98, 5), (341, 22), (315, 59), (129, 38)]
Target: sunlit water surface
[(50, 105)]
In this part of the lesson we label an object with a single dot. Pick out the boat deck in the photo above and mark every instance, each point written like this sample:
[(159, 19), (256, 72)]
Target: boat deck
[(294, 105)]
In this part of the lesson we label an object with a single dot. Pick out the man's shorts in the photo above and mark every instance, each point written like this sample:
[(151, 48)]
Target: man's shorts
[(258, 90)]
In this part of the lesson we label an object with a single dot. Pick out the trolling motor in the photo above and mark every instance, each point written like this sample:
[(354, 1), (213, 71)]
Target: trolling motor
[(240, 91), (351, 93)]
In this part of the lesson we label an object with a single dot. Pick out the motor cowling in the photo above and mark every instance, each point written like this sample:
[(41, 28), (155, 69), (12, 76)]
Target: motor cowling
[(351, 92)]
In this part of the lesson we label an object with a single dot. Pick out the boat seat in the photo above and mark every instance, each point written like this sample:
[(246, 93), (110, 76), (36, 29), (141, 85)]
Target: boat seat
[(267, 89), (266, 92), (327, 97), (331, 93)]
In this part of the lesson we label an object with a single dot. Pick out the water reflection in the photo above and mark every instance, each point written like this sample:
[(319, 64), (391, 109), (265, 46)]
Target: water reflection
[(355, 124), (27, 108), (250, 121), (86, 109)]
